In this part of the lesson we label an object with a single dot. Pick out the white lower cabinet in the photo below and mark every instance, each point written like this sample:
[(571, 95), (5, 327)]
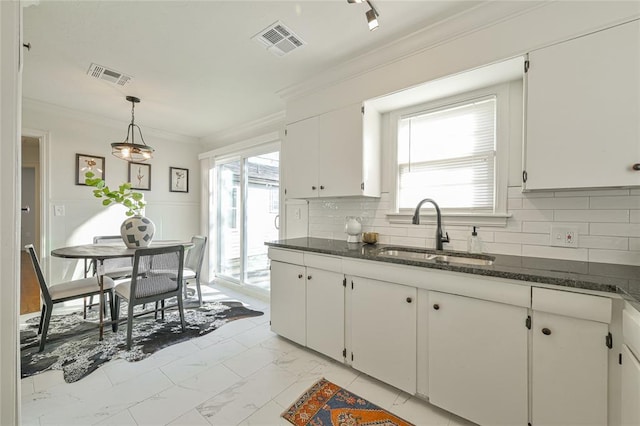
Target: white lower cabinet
[(383, 331), (569, 364), (478, 359), (288, 300), (630, 388), (325, 312)]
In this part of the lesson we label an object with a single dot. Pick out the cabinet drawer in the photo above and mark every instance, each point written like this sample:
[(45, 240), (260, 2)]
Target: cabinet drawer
[(631, 329), (576, 305), (286, 256), (319, 261)]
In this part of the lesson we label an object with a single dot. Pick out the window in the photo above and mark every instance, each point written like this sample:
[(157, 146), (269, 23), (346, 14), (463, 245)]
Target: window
[(449, 150)]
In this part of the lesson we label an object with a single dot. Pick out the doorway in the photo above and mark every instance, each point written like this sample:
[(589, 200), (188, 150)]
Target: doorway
[(30, 224), (247, 200)]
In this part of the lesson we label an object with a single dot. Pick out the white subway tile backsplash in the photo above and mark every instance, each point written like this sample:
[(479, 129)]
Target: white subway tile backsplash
[(608, 223), (591, 215), (628, 202), (532, 215), (615, 256), (522, 238), (616, 229), (556, 252), (537, 227), (602, 242), (556, 203)]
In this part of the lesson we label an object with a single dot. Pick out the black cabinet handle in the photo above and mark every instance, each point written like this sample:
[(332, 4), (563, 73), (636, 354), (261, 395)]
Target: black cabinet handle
[(313, 187), (308, 277), (436, 306), (299, 275), (321, 186), (636, 167), (546, 331), (409, 300)]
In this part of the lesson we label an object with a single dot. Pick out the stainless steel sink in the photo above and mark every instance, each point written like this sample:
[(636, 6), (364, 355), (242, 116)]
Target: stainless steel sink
[(417, 254), (463, 259)]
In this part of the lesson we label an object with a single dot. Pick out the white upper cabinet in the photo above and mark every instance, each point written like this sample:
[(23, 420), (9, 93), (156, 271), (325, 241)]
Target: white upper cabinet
[(336, 154), (583, 112)]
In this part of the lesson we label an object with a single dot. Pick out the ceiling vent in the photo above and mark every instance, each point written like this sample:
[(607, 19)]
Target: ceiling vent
[(112, 76), (279, 39)]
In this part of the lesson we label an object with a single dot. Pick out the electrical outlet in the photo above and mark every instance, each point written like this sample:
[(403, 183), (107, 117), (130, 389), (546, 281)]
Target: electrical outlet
[(564, 236), (58, 210)]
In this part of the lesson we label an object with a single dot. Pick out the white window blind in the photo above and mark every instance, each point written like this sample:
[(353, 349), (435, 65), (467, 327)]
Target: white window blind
[(448, 154)]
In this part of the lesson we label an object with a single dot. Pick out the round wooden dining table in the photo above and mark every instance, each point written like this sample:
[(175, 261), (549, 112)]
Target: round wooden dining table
[(101, 252)]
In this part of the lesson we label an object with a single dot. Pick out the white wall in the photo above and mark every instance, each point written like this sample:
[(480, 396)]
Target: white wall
[(608, 221), (176, 215), (10, 93)]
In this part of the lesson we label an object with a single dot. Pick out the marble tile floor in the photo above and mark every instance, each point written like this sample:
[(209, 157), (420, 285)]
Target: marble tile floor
[(240, 374)]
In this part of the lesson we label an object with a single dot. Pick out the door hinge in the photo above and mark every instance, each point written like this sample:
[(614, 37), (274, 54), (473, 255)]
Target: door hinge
[(609, 340), (620, 358), (285, 132), (527, 322), (362, 109), (344, 284), (526, 65), (362, 186), (344, 353), (524, 176)]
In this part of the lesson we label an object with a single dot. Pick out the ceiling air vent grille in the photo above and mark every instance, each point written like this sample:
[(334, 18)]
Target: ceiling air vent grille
[(112, 76), (279, 39)]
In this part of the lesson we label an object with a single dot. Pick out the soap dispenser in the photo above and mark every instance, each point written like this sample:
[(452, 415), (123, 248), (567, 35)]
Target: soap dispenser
[(474, 243)]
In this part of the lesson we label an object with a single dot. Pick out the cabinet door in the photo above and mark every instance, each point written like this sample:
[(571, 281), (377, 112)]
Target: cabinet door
[(630, 388), (568, 371), (383, 331), (288, 297), (478, 359), (340, 152), (325, 312), (300, 159), (583, 104)]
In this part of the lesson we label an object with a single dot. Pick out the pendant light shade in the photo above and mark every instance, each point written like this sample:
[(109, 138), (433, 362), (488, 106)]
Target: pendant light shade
[(131, 151)]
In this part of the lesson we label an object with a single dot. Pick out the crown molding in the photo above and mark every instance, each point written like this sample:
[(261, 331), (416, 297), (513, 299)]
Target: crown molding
[(464, 23), (72, 114), (245, 131)]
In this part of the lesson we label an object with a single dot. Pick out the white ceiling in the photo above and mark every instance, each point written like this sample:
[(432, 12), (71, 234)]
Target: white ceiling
[(193, 63)]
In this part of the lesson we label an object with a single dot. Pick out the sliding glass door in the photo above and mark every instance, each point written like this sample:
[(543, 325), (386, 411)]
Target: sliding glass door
[(247, 199)]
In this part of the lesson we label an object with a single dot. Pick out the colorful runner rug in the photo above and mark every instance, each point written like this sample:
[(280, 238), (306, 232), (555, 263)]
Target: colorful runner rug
[(328, 404)]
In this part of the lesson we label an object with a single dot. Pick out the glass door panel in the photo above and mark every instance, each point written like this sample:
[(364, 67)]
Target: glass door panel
[(262, 180), (229, 220)]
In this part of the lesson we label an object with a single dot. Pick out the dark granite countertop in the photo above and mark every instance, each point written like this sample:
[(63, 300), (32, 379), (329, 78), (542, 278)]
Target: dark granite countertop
[(606, 277)]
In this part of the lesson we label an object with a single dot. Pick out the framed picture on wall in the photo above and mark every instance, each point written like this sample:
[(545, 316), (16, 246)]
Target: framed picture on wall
[(178, 179), (88, 163), (140, 176)]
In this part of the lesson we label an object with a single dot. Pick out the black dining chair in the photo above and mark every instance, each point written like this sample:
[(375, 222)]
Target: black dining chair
[(64, 291), (116, 268), (157, 276)]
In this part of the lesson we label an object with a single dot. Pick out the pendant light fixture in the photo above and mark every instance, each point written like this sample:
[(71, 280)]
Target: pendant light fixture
[(131, 151)]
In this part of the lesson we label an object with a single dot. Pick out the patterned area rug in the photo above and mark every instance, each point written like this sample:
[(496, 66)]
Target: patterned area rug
[(73, 346), (327, 404)]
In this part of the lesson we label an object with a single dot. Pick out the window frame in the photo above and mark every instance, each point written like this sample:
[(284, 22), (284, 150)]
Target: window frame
[(457, 216)]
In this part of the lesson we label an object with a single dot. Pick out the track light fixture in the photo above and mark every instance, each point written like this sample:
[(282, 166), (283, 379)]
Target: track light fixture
[(371, 14), (131, 151)]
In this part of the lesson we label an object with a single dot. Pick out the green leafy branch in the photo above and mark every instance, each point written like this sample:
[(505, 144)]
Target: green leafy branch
[(132, 200)]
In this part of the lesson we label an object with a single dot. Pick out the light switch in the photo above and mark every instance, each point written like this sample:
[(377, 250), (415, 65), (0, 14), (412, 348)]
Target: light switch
[(58, 210), (564, 236)]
